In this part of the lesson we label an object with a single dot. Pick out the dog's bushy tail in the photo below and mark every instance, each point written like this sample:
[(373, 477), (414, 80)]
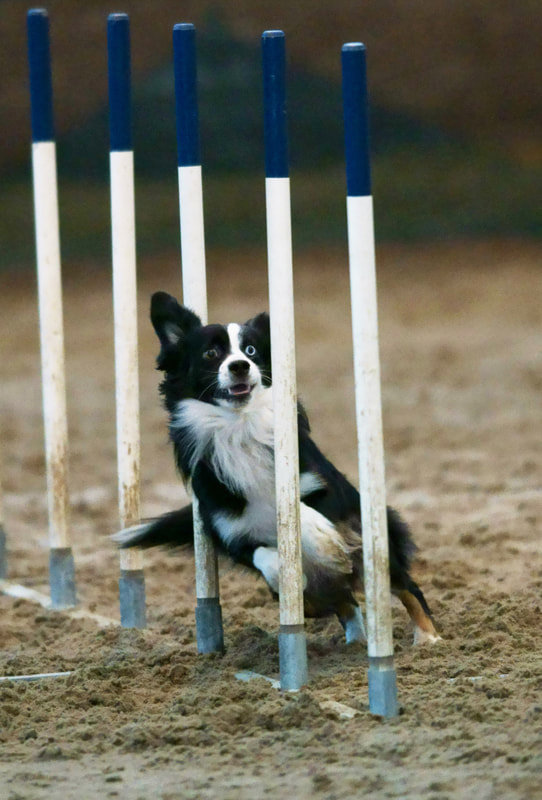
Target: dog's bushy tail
[(173, 529)]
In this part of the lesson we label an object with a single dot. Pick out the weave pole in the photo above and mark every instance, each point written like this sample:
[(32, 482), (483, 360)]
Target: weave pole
[(209, 630), (361, 246), (3, 538), (292, 640), (44, 175), (131, 581)]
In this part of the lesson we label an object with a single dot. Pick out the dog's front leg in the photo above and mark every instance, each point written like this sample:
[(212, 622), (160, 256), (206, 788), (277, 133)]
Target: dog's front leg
[(351, 618), (266, 560)]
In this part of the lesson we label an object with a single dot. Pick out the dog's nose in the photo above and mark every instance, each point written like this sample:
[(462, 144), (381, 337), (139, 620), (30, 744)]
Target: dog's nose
[(239, 368)]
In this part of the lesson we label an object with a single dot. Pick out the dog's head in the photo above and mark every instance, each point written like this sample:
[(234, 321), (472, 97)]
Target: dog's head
[(225, 365)]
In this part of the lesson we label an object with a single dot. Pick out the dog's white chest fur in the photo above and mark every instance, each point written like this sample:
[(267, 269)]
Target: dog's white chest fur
[(238, 442), (239, 446)]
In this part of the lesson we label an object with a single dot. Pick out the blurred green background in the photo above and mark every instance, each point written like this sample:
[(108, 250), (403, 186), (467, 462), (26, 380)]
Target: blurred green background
[(456, 121)]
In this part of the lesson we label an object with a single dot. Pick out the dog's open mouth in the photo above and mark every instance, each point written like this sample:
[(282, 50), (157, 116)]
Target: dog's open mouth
[(240, 390)]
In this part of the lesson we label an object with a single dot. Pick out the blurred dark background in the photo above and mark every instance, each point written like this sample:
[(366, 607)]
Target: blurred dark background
[(456, 120)]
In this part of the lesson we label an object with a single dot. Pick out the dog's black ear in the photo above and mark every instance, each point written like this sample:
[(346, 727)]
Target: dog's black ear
[(171, 322), (260, 324), (261, 337)]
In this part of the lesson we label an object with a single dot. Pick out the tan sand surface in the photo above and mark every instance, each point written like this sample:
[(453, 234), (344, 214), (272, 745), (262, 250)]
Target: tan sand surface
[(143, 715)]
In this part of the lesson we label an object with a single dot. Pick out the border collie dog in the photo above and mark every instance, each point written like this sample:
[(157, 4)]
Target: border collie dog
[(218, 392)]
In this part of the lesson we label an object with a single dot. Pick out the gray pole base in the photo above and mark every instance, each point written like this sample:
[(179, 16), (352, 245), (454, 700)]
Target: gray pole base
[(293, 658), (3, 554), (209, 630), (383, 687), (133, 609), (62, 578)]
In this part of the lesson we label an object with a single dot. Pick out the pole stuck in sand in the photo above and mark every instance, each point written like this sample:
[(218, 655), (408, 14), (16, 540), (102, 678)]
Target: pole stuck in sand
[(132, 580), (44, 174), (361, 246), (209, 630), (292, 638)]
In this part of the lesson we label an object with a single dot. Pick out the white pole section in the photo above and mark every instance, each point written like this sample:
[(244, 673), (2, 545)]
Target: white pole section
[(292, 640), (3, 543), (61, 566), (131, 582), (209, 629), (368, 405), (193, 240), (382, 677), (281, 305)]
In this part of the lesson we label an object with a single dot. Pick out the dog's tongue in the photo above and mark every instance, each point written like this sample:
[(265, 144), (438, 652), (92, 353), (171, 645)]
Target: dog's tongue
[(240, 389)]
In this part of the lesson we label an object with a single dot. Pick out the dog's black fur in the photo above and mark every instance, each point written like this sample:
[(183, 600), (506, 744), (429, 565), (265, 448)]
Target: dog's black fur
[(217, 389)]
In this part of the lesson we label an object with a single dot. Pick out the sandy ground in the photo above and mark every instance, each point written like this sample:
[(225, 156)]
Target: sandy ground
[(143, 715)]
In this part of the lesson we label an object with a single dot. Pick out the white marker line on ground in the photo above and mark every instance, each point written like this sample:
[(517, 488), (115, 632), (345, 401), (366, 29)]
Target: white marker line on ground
[(478, 677), (35, 677), (20, 592)]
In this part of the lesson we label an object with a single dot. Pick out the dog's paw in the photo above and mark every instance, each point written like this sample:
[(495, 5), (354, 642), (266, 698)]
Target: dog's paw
[(425, 637), (354, 628)]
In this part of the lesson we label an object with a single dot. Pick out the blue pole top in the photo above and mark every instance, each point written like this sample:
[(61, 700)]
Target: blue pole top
[(356, 119), (186, 94), (120, 94), (274, 99), (41, 89)]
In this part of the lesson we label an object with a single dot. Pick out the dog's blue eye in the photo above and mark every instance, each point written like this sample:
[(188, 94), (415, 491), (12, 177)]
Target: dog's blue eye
[(250, 350), (210, 354)]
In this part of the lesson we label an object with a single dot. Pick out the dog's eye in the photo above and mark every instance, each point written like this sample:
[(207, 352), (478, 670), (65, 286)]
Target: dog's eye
[(250, 350), (210, 354)]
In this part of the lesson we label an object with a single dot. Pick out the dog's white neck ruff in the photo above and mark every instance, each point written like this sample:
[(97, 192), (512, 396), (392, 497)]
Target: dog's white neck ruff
[(237, 441), (239, 445)]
